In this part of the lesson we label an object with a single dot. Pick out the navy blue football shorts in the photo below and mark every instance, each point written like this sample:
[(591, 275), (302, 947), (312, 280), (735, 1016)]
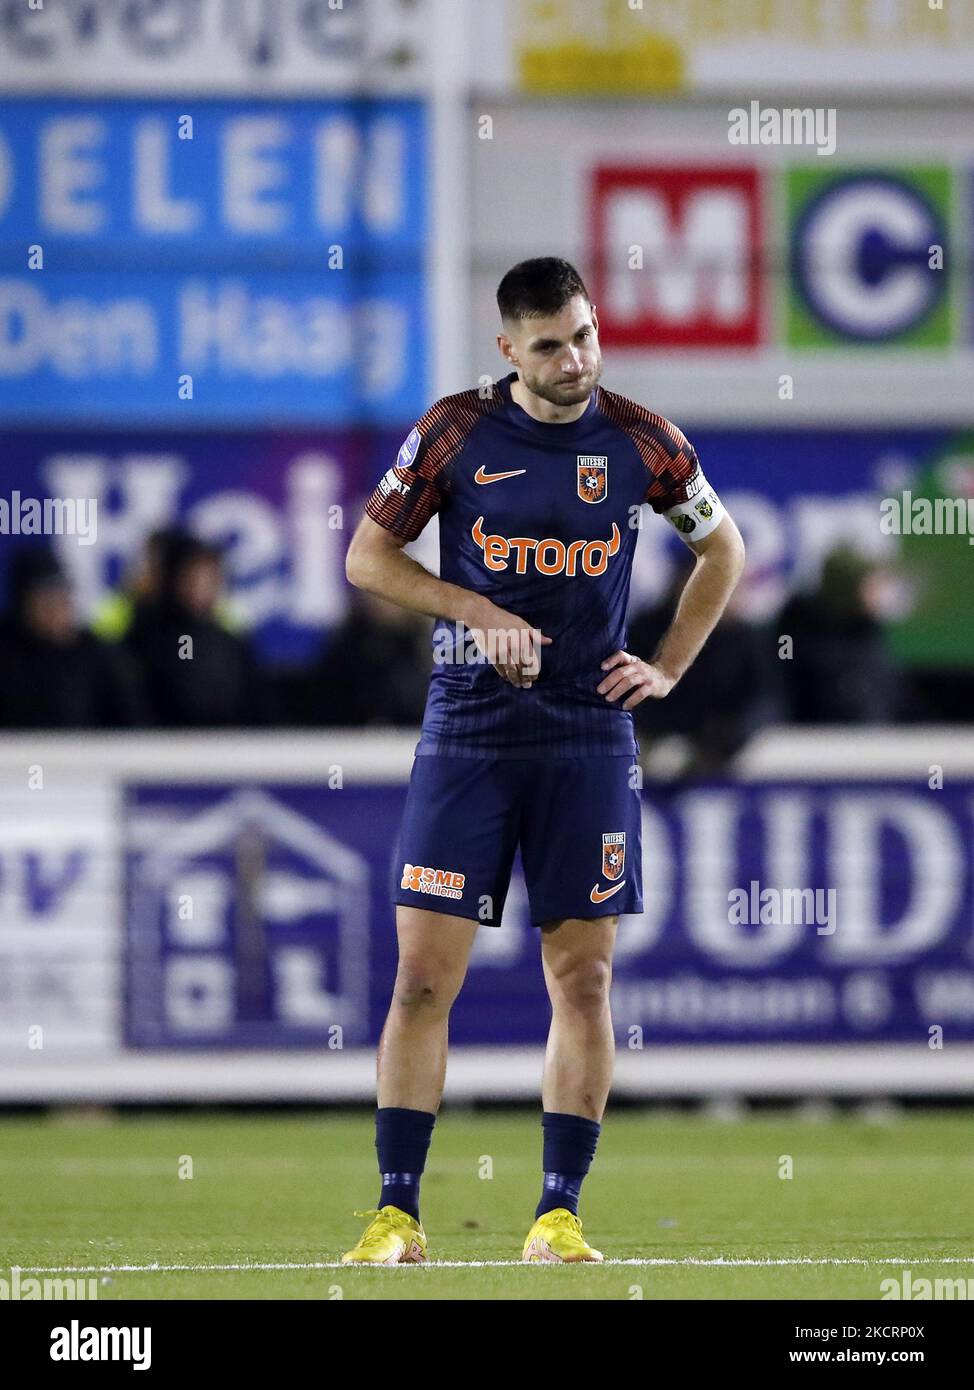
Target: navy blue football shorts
[(576, 821)]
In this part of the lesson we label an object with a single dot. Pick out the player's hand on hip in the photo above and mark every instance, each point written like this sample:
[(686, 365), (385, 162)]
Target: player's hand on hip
[(511, 645), (637, 680)]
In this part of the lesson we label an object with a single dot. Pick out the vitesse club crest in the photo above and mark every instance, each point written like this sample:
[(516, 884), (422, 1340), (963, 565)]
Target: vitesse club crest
[(613, 854), (593, 478), (704, 508)]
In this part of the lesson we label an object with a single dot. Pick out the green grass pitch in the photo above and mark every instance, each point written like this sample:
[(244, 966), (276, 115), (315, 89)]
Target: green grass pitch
[(681, 1198)]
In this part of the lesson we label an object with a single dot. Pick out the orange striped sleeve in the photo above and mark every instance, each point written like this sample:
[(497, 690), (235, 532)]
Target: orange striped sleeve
[(419, 482), (673, 471)]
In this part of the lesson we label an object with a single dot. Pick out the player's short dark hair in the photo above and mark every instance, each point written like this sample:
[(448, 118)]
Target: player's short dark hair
[(539, 288)]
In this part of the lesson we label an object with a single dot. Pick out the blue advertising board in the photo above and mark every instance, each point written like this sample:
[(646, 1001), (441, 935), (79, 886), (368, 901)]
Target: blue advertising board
[(198, 261), (260, 915)]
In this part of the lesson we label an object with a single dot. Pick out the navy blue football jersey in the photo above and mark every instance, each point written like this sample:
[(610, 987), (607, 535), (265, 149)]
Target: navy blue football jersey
[(543, 519)]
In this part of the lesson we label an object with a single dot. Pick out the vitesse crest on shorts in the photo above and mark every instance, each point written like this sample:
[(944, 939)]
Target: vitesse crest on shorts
[(593, 477), (613, 854)]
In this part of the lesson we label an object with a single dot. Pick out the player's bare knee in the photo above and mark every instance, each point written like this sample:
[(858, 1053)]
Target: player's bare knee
[(423, 986), (583, 986)]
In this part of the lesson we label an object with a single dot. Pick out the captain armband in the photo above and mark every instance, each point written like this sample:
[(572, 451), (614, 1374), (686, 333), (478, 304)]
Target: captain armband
[(700, 514)]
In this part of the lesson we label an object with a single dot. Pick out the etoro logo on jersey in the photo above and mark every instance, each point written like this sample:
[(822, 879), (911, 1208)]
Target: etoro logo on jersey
[(549, 555), (439, 883)]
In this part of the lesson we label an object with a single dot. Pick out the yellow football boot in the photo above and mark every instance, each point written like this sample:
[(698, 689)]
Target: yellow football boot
[(556, 1238), (392, 1237)]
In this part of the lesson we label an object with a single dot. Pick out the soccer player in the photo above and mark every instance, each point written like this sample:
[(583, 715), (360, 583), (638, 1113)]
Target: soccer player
[(538, 482)]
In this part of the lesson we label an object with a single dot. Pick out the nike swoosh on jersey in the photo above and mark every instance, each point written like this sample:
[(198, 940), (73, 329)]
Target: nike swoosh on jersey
[(599, 895), (481, 477)]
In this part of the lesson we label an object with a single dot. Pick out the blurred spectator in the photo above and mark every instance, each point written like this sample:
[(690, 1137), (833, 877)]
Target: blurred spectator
[(119, 610), (53, 673), (728, 693), (839, 672), (374, 670), (196, 674), (116, 614)]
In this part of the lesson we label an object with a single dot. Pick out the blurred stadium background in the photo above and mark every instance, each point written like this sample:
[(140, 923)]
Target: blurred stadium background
[(242, 247)]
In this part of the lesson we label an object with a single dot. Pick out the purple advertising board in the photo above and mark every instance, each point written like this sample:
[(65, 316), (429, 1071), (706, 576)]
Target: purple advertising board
[(260, 915), (283, 504)]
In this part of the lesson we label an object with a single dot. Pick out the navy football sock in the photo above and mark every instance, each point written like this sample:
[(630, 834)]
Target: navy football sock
[(569, 1147), (402, 1139)]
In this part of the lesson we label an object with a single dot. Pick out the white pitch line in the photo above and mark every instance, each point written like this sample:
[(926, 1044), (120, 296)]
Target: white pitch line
[(719, 1262)]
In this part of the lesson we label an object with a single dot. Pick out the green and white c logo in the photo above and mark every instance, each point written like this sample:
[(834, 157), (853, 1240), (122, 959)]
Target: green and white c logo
[(863, 256)]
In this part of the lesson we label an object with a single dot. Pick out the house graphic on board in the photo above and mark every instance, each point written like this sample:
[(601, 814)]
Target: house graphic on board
[(248, 923)]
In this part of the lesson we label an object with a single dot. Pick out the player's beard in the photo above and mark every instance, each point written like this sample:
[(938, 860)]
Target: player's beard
[(566, 393)]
